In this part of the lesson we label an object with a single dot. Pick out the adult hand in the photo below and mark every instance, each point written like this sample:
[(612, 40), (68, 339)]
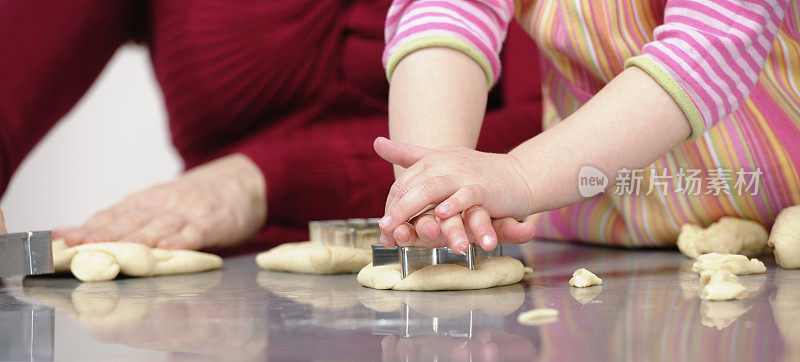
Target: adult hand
[(3, 223), (218, 204), (484, 186)]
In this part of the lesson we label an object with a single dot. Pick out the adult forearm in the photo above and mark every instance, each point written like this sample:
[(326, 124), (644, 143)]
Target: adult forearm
[(437, 98), (629, 124)]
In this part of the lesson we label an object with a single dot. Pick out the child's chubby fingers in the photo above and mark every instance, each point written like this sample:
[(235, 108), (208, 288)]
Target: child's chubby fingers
[(428, 192), (479, 223), (464, 198), (512, 231), (456, 235), (427, 227), (399, 153)]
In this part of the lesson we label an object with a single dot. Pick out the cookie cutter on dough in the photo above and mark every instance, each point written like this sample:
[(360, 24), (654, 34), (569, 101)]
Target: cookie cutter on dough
[(412, 258), (353, 233)]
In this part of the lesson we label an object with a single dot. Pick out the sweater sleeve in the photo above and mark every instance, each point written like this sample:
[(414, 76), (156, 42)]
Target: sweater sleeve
[(476, 28), (51, 53), (708, 54)]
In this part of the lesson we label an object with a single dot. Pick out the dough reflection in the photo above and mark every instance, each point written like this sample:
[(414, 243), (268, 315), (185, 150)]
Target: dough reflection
[(159, 313)]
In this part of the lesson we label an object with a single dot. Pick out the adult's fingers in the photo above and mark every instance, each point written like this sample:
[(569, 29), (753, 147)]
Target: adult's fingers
[(455, 234), (466, 197), (512, 231), (404, 235), (398, 153), (125, 224), (3, 223), (480, 224), (157, 229), (190, 237)]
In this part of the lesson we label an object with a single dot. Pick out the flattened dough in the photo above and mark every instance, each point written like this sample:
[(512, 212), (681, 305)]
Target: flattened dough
[(785, 238), (736, 264), (493, 272), (308, 258), (729, 235), (583, 278), (104, 261)]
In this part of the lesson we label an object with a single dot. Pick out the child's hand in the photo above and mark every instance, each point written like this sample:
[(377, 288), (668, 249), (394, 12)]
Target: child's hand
[(428, 231), (458, 179)]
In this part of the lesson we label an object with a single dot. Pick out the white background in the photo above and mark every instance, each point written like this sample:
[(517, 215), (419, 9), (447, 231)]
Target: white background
[(113, 142)]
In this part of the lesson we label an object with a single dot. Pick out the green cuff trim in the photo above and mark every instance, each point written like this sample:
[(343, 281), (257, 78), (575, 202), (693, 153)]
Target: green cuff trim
[(675, 90), (439, 41)]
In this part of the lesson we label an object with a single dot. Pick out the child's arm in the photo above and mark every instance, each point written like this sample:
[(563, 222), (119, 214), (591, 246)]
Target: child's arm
[(629, 124)]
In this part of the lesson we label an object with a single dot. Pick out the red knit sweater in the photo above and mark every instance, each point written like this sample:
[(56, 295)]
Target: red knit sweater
[(296, 85)]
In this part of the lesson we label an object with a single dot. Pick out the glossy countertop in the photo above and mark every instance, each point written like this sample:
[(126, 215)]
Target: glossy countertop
[(647, 309)]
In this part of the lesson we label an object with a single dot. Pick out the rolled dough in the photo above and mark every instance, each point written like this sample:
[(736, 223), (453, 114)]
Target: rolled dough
[(736, 264), (785, 238), (493, 272), (309, 258), (583, 278), (729, 235), (104, 261)]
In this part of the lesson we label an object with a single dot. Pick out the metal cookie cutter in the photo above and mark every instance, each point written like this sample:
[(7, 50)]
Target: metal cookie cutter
[(412, 258), (353, 233), (26, 253)]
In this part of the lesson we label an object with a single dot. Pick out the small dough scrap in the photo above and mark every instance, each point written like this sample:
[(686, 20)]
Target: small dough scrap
[(729, 235), (528, 270), (170, 262), (734, 263), (721, 285), (785, 238), (309, 258), (94, 266), (538, 316), (492, 272), (583, 278)]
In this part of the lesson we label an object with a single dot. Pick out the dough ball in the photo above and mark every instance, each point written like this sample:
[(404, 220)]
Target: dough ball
[(729, 235), (94, 266), (785, 238), (734, 263), (310, 258), (491, 272), (538, 316), (62, 255), (583, 278), (170, 262)]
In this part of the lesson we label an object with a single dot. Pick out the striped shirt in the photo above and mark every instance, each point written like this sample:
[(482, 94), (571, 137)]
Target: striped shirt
[(732, 67)]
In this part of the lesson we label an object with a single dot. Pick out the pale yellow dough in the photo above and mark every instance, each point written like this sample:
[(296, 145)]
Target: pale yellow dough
[(721, 285), (583, 278), (492, 272), (308, 258), (538, 316), (104, 261), (729, 235), (736, 264), (785, 238)]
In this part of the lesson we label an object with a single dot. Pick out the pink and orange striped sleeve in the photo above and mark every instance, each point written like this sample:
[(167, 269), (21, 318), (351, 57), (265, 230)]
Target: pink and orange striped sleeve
[(477, 28), (708, 54)]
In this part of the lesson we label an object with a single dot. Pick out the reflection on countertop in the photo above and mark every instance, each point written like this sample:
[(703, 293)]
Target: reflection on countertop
[(647, 308)]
